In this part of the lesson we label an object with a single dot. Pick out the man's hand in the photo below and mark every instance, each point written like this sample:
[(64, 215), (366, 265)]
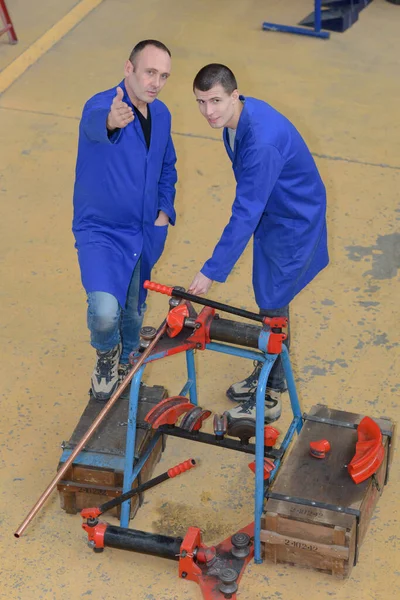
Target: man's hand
[(120, 114), (162, 219), (200, 285)]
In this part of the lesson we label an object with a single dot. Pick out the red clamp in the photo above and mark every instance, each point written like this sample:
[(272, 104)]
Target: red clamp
[(320, 448), (201, 335), (188, 569), (275, 342), (275, 338), (276, 322), (369, 451), (176, 319), (269, 466), (90, 513), (271, 434), (96, 533)]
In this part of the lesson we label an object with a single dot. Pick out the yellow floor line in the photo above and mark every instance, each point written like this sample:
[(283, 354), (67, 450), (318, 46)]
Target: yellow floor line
[(44, 43)]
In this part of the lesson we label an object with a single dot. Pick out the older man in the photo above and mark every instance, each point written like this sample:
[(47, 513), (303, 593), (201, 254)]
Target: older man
[(123, 202)]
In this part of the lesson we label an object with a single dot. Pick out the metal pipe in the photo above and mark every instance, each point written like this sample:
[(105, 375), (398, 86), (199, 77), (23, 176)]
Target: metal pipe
[(89, 432), (143, 542), (234, 332)]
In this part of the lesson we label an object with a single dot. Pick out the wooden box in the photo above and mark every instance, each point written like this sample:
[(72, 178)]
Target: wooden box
[(97, 473), (316, 516)]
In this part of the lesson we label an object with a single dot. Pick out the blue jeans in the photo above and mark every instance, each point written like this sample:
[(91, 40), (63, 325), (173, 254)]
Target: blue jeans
[(109, 324), (276, 379)]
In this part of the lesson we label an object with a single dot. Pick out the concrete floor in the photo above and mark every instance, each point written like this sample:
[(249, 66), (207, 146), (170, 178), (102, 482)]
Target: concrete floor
[(343, 95)]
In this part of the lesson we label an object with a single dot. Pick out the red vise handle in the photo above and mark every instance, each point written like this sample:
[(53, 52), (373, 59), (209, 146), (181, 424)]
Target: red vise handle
[(157, 287), (182, 468)]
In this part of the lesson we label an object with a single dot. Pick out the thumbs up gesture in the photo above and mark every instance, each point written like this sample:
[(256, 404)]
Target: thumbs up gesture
[(120, 114)]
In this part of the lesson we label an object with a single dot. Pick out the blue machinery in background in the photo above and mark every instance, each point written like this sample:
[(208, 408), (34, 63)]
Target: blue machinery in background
[(332, 15)]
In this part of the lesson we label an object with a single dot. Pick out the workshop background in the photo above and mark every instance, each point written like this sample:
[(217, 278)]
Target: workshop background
[(343, 95)]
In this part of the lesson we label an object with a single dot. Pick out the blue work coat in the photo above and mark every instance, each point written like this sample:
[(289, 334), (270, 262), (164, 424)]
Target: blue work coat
[(280, 198), (120, 186)]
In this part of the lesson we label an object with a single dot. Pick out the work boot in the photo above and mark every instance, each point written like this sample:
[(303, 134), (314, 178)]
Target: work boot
[(247, 409), (123, 371), (245, 390), (105, 375)]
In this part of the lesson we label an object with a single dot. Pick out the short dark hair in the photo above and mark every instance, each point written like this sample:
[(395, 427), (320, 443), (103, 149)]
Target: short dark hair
[(142, 45), (212, 75)]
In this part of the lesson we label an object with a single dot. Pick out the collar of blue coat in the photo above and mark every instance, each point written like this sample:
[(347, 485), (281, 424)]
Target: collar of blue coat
[(244, 118), (244, 121), (156, 105)]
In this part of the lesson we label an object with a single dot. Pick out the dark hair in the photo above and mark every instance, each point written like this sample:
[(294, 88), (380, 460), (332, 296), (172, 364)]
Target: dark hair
[(142, 45), (212, 75)]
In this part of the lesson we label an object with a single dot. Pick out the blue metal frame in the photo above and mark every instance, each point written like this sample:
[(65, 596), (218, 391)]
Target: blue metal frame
[(132, 469), (316, 32)]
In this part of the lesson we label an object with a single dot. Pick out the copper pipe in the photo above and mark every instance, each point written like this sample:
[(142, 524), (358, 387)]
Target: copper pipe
[(89, 432)]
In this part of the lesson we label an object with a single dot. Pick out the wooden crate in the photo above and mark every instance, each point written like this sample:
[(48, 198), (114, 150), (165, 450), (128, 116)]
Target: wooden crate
[(316, 516), (97, 473)]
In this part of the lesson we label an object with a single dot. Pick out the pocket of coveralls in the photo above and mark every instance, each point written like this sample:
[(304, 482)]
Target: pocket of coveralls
[(158, 242)]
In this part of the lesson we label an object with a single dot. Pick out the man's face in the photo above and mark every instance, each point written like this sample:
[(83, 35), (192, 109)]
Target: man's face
[(217, 106), (145, 79)]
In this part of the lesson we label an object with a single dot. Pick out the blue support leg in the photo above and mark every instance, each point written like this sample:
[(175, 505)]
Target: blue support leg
[(124, 521), (287, 439), (259, 479), (130, 443), (294, 400), (191, 384)]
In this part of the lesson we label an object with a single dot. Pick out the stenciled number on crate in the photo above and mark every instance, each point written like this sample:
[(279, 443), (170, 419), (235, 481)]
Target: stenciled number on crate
[(307, 512), (85, 490), (301, 545)]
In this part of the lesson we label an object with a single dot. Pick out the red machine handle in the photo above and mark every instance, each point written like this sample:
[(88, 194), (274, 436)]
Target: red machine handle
[(93, 513), (177, 292), (157, 287), (182, 468)]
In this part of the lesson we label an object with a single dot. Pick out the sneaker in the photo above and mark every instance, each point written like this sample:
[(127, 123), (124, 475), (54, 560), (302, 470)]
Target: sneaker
[(247, 410), (244, 390), (105, 375)]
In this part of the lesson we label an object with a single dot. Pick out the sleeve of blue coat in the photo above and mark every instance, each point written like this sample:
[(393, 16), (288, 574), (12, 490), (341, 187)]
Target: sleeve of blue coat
[(166, 184), (94, 119), (260, 171)]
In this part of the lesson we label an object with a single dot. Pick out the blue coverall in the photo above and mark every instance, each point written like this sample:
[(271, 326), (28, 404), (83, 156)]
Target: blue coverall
[(281, 201), (119, 189)]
